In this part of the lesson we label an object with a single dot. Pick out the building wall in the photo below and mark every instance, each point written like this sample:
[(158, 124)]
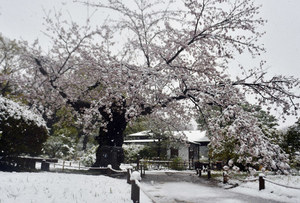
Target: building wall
[(183, 152)]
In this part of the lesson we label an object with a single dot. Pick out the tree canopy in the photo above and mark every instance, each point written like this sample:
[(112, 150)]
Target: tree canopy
[(166, 59)]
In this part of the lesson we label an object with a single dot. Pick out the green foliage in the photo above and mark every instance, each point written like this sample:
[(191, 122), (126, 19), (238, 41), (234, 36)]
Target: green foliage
[(291, 143), (63, 141), (139, 125), (89, 157), (267, 122), (177, 164), (131, 152), (226, 152), (20, 137), (148, 152), (60, 147)]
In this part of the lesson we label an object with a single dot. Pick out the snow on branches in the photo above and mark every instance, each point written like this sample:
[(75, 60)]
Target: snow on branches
[(158, 58)]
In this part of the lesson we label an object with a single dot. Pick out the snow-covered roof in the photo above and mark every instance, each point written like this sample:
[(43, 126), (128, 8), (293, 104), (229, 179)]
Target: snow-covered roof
[(193, 135), (140, 134), (141, 141)]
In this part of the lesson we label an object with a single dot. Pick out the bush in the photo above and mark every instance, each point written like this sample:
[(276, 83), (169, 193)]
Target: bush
[(177, 164), (89, 157), (21, 131)]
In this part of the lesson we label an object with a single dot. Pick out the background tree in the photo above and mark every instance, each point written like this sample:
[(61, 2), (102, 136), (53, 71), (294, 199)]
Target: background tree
[(157, 59), (227, 147), (291, 143), (66, 139), (9, 52)]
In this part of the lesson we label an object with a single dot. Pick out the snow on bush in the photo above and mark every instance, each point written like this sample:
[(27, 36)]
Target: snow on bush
[(22, 131), (89, 157), (9, 108)]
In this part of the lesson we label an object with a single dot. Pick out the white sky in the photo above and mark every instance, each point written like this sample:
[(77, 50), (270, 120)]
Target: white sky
[(24, 19)]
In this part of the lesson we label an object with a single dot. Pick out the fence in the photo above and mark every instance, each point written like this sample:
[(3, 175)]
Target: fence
[(77, 167), (24, 163), (261, 181)]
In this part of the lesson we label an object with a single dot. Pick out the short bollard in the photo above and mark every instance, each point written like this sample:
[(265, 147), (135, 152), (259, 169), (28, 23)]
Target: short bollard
[(261, 181), (199, 172), (109, 170), (141, 168), (135, 190), (208, 174)]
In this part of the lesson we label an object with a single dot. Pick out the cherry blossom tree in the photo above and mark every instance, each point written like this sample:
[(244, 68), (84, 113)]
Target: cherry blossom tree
[(164, 59), (9, 50)]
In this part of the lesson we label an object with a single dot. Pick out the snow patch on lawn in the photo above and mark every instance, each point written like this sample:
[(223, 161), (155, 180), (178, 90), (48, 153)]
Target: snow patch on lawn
[(67, 188), (272, 191)]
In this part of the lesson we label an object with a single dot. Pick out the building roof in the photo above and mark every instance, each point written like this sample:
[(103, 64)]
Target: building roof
[(194, 136), (144, 133), (141, 141)]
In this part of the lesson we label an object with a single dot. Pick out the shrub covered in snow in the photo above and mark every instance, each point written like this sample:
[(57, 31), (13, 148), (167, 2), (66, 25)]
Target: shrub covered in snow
[(21, 130), (131, 152), (59, 147), (89, 157)]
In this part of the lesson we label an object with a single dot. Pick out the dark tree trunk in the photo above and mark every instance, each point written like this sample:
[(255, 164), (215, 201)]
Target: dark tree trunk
[(110, 139)]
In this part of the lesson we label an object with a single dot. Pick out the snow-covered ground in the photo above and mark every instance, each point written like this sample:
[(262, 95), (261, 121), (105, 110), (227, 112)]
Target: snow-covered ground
[(273, 191), (58, 187), (176, 190), (63, 188)]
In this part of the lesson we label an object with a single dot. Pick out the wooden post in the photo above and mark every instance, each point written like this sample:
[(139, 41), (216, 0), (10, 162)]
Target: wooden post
[(135, 190), (109, 170), (208, 174), (138, 163), (141, 167), (63, 165), (79, 165), (261, 181)]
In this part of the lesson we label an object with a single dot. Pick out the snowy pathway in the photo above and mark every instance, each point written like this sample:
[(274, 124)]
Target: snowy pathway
[(194, 192), (172, 188)]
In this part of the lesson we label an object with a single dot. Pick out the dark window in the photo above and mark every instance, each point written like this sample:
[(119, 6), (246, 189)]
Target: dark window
[(174, 152)]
